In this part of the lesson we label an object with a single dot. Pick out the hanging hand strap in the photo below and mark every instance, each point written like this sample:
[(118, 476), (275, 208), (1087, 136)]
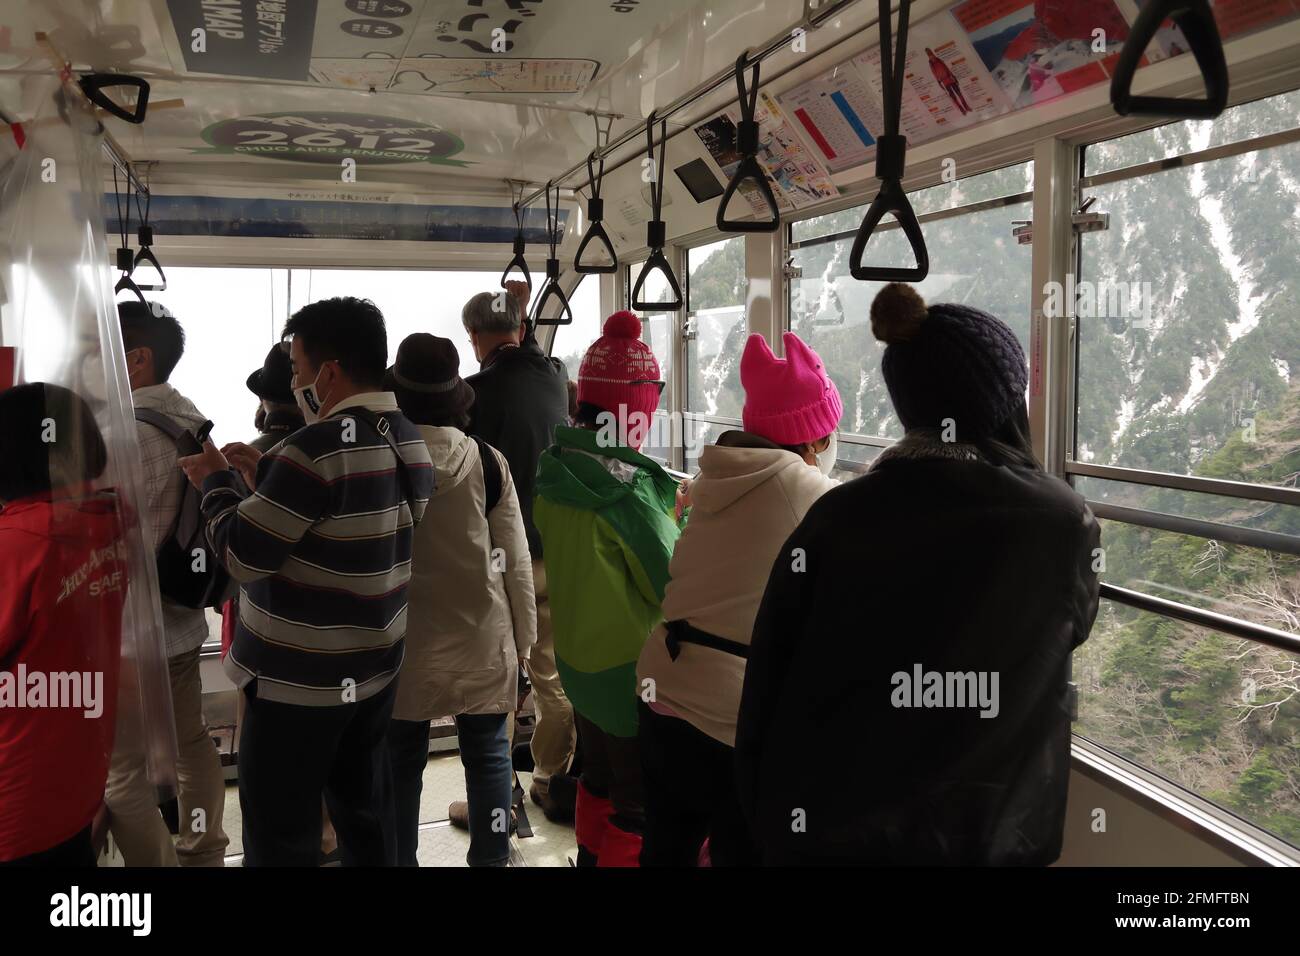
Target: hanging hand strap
[(145, 235), (749, 169), (595, 212), (891, 153), (518, 261), (552, 287), (125, 260), (1196, 20), (656, 231), (93, 85)]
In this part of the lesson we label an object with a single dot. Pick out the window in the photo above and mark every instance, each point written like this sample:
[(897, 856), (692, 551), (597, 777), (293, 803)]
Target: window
[(657, 331), (572, 341), (231, 317), (1273, 115), (412, 301), (715, 340), (1188, 338), (716, 292), (1214, 714), (973, 259)]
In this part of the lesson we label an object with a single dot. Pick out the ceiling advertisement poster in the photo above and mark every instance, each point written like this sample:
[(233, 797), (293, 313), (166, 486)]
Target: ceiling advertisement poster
[(947, 85), (413, 46), (838, 116), (1040, 50), (1232, 17), (796, 175)]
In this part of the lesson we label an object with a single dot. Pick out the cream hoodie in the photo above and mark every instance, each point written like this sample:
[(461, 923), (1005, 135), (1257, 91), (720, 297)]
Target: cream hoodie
[(469, 621), (744, 504)]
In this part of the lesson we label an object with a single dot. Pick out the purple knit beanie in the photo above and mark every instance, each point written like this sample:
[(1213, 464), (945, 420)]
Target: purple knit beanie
[(947, 361)]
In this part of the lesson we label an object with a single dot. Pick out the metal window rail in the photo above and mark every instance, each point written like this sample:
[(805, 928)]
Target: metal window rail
[(781, 41), (1198, 527), (1183, 160), (1277, 494), (1211, 620), (984, 204)]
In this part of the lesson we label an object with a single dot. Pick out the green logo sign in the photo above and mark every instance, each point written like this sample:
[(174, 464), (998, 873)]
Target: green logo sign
[(314, 137)]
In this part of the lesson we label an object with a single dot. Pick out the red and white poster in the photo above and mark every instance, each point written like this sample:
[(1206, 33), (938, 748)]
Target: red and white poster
[(1039, 50), (1233, 18), (946, 86)]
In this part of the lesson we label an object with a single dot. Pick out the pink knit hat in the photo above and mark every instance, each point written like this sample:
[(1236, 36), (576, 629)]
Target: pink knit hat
[(788, 401), (616, 360)]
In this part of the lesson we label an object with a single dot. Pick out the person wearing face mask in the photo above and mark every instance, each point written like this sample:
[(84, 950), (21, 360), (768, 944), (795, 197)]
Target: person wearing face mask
[(605, 513), (911, 650), (155, 343), (322, 550), (753, 489)]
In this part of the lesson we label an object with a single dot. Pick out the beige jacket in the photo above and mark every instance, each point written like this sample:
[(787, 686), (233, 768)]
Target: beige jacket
[(472, 613), (745, 503)]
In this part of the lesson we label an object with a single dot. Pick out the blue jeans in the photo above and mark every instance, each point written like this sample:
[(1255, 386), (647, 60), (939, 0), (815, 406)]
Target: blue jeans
[(485, 752)]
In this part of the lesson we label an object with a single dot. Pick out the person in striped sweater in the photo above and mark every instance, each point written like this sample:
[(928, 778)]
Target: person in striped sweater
[(322, 549)]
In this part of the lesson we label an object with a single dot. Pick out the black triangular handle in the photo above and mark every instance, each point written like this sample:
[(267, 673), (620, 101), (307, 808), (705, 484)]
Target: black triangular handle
[(518, 263), (890, 198), (127, 283), (749, 169), (657, 260), (93, 84), (596, 231), (553, 289), (1196, 20), (146, 255)]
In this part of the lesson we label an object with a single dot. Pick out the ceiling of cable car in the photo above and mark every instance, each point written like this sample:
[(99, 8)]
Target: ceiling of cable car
[(481, 88)]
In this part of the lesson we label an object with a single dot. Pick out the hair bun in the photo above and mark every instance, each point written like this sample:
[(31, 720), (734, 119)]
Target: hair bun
[(897, 313), (623, 325)]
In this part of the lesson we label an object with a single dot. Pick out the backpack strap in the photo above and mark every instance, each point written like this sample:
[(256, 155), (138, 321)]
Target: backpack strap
[(168, 426), (173, 430), (492, 480), (384, 428)]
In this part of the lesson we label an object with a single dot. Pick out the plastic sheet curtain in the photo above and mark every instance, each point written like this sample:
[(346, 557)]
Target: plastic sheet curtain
[(58, 324)]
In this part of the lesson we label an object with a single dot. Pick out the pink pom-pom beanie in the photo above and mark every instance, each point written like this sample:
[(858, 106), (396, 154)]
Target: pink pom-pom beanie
[(788, 401)]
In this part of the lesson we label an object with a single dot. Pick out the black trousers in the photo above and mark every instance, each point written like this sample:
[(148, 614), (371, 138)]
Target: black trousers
[(290, 754), (611, 767), (77, 851), (690, 794)]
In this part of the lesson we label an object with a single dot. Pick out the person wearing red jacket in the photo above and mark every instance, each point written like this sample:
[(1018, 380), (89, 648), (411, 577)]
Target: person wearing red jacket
[(63, 564), (948, 81)]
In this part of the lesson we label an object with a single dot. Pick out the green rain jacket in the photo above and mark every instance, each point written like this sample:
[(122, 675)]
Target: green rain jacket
[(606, 520)]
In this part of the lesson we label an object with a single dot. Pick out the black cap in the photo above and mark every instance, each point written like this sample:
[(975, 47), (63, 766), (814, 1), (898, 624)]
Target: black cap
[(426, 375), (273, 381)]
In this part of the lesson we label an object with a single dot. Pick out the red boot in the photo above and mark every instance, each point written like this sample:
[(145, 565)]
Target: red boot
[(621, 847), (591, 821)]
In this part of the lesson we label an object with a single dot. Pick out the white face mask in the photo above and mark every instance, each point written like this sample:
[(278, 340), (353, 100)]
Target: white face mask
[(826, 458), (309, 402)]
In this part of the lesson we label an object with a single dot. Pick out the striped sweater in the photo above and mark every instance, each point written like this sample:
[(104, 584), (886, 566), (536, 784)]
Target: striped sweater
[(322, 550)]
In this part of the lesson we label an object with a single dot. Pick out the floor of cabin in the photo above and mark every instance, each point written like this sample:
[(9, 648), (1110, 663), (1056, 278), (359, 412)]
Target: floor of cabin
[(440, 844)]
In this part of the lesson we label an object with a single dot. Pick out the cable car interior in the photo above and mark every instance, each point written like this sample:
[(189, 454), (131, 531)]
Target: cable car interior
[(1119, 181)]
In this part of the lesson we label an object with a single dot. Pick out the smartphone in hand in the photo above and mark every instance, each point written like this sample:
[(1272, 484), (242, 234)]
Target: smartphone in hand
[(188, 444)]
